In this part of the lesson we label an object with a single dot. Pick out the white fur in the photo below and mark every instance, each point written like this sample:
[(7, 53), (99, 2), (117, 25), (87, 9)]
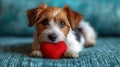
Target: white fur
[(71, 41), (88, 32), (52, 28), (87, 29), (56, 12)]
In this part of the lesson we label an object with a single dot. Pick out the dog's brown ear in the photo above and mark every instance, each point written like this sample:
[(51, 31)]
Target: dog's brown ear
[(32, 14), (73, 17)]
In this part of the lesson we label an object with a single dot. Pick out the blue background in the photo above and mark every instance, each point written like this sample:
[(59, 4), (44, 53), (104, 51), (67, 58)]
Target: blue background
[(104, 15)]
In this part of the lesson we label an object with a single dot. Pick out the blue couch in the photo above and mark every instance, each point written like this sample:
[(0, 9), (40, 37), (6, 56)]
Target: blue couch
[(16, 36)]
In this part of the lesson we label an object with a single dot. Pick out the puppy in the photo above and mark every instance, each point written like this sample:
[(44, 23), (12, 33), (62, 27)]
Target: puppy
[(60, 24)]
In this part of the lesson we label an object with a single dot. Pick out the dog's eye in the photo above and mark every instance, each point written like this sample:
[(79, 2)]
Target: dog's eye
[(62, 24), (45, 22)]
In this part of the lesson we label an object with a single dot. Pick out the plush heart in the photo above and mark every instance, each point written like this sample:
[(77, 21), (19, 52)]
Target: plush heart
[(53, 51)]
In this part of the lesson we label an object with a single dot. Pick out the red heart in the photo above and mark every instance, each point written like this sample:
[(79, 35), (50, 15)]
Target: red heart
[(53, 51)]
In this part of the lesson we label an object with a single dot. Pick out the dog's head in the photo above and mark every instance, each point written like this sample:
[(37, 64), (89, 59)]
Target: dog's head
[(52, 23)]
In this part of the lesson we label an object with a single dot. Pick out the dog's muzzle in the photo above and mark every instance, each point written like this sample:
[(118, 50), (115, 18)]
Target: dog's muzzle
[(52, 36)]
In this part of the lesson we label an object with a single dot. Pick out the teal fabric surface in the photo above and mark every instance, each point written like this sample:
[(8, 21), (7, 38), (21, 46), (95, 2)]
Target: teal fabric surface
[(14, 52), (104, 15)]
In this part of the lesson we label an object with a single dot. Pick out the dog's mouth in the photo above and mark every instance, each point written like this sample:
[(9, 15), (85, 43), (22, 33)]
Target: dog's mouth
[(54, 42), (51, 37)]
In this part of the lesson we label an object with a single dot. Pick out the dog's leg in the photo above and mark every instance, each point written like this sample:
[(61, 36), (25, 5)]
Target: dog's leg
[(36, 48), (73, 46), (71, 54), (88, 32)]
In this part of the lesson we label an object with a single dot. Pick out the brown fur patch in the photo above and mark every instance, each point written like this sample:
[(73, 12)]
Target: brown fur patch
[(61, 16), (66, 15), (45, 14), (73, 17), (48, 14)]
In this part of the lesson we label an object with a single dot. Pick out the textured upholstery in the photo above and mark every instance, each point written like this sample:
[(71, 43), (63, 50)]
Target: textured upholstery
[(14, 52), (104, 15)]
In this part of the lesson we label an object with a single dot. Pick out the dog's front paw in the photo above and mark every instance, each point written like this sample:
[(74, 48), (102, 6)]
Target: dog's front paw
[(71, 54), (36, 53)]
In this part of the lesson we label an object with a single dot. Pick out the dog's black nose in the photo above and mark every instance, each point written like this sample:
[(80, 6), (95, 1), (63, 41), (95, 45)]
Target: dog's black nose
[(52, 37)]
